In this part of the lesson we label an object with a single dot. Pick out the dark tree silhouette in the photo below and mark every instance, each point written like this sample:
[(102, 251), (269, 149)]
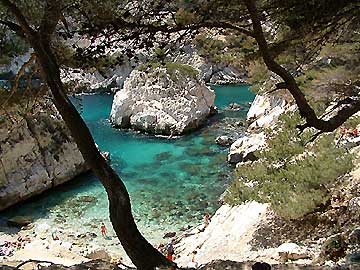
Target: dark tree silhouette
[(142, 253)]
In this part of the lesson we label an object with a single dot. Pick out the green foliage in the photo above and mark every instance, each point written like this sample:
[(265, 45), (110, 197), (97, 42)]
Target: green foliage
[(230, 49), (258, 75), (292, 174), (172, 68)]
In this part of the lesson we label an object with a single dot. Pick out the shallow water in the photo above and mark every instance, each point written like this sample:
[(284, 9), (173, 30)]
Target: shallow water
[(172, 183)]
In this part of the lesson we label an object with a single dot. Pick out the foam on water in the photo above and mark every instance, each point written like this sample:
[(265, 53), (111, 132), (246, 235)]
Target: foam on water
[(171, 183)]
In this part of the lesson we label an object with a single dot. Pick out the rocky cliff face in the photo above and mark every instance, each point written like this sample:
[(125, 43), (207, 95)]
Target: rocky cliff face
[(36, 153), (263, 113), (266, 109), (162, 101)]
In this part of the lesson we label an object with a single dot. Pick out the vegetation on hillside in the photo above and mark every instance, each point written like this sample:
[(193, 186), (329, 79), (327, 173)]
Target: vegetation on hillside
[(172, 69), (293, 174)]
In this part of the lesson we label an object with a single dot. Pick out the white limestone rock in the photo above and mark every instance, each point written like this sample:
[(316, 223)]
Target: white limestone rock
[(110, 80), (36, 154), (243, 148), (163, 101), (227, 237), (266, 109)]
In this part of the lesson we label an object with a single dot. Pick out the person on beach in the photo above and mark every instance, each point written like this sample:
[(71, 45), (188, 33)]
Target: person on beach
[(54, 236), (103, 230), (170, 249), (193, 263), (207, 219), (161, 248)]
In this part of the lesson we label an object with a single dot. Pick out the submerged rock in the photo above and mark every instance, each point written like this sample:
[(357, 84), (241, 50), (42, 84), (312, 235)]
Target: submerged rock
[(19, 221), (169, 234), (163, 100)]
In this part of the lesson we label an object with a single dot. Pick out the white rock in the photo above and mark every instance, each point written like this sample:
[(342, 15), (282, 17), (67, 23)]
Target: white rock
[(37, 154), (161, 103), (266, 109), (227, 237), (243, 148)]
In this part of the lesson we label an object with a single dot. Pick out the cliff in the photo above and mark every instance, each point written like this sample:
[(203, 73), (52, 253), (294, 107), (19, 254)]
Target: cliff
[(36, 154)]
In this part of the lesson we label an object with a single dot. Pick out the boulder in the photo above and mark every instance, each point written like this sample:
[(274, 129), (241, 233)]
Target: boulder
[(243, 149), (354, 237), (98, 254), (292, 251), (333, 248), (167, 100), (266, 109), (19, 221), (224, 140)]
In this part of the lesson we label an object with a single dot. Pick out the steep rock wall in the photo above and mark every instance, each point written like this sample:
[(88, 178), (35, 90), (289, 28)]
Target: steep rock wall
[(36, 154)]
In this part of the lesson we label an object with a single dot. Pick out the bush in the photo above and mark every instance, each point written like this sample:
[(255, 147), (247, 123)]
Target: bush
[(293, 174), (172, 68)]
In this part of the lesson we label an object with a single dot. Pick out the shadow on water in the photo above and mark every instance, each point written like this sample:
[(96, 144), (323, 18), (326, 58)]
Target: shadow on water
[(53, 198)]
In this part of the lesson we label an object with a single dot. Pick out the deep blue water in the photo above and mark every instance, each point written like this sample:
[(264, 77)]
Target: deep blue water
[(171, 183)]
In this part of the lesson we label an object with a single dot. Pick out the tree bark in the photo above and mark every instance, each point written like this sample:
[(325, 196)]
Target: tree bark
[(289, 82), (140, 251)]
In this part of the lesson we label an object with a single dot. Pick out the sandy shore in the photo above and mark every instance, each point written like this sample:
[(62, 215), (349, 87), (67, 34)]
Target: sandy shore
[(227, 237)]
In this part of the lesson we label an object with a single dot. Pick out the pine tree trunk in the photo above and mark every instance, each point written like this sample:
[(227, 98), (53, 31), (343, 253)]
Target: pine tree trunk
[(141, 252)]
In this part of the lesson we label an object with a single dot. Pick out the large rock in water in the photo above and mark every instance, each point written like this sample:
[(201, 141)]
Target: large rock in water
[(36, 153), (163, 100)]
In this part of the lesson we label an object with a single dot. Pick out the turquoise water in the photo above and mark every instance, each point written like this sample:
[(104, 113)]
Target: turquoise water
[(172, 183), (226, 94)]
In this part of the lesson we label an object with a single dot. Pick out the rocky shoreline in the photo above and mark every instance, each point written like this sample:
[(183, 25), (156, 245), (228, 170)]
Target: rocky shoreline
[(232, 234)]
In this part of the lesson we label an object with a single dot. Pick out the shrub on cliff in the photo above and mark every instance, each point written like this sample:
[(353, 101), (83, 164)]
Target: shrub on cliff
[(172, 68), (293, 174)]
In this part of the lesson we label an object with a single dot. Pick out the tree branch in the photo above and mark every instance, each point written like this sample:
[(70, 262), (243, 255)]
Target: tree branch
[(26, 28), (52, 14), (14, 27), (35, 261), (304, 108)]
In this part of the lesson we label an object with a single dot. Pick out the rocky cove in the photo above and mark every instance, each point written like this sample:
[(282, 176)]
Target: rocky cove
[(172, 182)]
